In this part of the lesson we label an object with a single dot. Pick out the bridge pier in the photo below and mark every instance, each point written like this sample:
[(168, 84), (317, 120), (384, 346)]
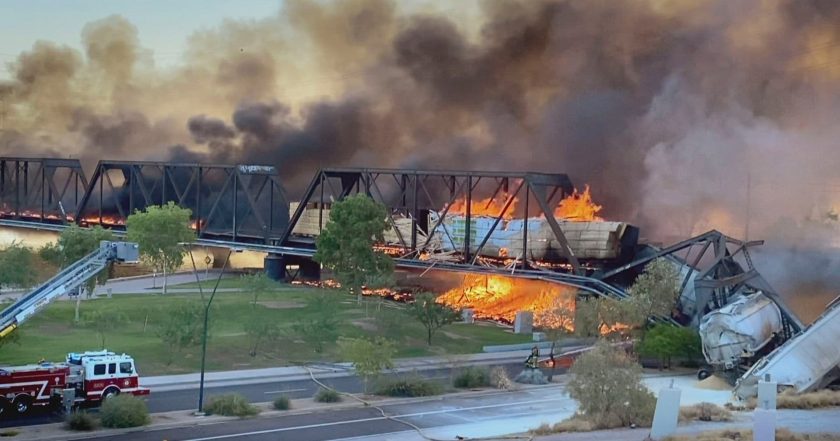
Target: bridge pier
[(275, 266)]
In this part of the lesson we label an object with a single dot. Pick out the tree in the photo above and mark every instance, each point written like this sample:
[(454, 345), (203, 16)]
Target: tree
[(260, 329), (323, 327), (608, 386), (558, 321), (345, 246), (182, 327), (75, 243), (160, 231), (655, 291), (595, 317), (665, 341), (103, 322), (256, 283), (431, 314), (369, 357), (16, 267)]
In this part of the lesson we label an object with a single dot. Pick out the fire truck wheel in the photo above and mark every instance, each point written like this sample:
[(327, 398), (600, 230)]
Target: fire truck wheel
[(22, 404), (5, 405), (111, 392)]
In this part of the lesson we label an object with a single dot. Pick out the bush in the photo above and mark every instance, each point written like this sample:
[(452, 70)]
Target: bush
[(282, 403), (230, 405), (81, 421), (704, 412), (410, 387), (608, 386), (499, 378), (472, 377), (573, 424), (124, 411), (327, 396)]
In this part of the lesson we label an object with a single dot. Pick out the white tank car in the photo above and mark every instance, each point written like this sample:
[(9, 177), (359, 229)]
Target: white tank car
[(739, 329)]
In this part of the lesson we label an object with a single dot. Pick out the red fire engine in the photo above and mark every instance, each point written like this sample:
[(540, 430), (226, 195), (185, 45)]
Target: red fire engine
[(84, 378)]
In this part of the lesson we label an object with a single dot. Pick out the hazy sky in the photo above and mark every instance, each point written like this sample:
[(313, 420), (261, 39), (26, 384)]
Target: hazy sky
[(164, 25)]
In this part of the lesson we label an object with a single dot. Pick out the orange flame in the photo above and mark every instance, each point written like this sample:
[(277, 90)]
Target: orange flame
[(500, 298), (578, 207), (485, 207)]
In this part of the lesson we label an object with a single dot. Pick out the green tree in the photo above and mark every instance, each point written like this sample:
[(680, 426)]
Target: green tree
[(259, 330), (160, 231), (75, 243), (323, 327), (558, 322), (431, 314), (182, 327), (345, 246), (608, 386), (654, 293), (103, 322), (17, 267), (369, 357), (51, 253), (256, 283), (595, 317), (665, 341)]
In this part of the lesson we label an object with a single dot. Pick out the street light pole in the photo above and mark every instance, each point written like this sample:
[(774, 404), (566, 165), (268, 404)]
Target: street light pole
[(204, 338)]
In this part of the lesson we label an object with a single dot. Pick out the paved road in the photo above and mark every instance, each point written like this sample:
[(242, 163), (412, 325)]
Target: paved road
[(257, 393), (493, 412)]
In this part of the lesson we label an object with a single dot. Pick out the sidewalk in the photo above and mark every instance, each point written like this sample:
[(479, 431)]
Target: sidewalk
[(321, 370)]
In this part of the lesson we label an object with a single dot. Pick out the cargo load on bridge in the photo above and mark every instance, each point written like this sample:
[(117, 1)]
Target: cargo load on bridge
[(83, 378)]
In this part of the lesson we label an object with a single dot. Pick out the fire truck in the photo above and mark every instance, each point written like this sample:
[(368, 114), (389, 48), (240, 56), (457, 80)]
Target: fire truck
[(82, 379)]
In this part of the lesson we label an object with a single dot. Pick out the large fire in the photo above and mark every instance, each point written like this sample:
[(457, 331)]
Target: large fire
[(500, 298), (577, 207)]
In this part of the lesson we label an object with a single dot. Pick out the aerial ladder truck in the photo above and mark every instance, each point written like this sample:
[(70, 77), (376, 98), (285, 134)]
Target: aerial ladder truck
[(83, 378)]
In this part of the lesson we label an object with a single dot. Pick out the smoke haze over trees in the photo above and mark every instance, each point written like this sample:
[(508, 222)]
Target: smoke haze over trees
[(664, 107)]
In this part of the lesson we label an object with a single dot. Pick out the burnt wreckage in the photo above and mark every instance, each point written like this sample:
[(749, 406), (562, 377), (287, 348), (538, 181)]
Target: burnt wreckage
[(528, 225)]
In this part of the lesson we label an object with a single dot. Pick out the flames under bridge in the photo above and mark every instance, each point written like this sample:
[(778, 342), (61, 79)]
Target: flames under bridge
[(528, 225)]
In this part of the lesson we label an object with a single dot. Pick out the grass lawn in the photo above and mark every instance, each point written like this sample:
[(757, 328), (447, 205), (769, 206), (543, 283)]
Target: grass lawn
[(51, 333)]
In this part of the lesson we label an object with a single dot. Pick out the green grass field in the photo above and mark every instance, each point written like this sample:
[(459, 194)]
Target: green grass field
[(51, 333)]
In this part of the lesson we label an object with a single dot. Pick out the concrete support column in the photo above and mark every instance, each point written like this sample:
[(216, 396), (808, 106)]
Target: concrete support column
[(275, 267)]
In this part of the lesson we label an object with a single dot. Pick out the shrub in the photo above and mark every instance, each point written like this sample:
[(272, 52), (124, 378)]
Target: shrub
[(282, 403), (608, 386), (499, 378), (327, 396), (81, 421), (231, 405), (472, 377), (410, 387), (573, 424), (9, 433), (124, 411), (704, 412)]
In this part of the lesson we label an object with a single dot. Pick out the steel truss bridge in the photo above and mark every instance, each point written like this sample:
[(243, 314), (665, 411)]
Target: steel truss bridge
[(247, 207)]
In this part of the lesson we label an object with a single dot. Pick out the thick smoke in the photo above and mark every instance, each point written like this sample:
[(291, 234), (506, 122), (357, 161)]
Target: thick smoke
[(683, 116)]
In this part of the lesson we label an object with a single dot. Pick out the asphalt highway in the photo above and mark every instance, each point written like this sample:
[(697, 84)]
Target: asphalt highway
[(259, 392)]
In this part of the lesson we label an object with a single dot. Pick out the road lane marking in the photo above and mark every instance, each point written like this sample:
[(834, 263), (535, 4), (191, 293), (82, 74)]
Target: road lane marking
[(283, 391), (364, 420)]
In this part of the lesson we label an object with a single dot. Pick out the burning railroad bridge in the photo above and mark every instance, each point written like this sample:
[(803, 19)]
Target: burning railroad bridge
[(517, 241)]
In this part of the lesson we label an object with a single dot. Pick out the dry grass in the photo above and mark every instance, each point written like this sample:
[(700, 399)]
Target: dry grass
[(745, 435), (573, 424), (704, 412), (809, 400)]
